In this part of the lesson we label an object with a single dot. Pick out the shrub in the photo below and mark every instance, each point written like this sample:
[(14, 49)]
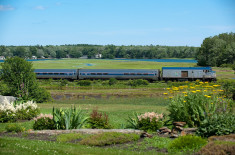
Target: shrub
[(133, 121), (15, 128), (69, 118), (43, 122), (109, 138), (112, 81), (187, 143), (84, 82), (26, 111), (221, 124), (99, 120), (194, 107), (228, 87), (137, 82), (150, 121), (41, 95)]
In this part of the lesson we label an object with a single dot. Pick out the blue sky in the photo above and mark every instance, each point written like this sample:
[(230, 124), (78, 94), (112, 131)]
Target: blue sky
[(118, 22)]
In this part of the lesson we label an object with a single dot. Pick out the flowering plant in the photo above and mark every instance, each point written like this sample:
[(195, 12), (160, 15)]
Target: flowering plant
[(44, 121), (150, 121)]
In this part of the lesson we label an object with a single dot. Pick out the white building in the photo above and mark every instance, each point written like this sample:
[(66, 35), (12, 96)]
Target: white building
[(98, 56), (34, 57), (2, 58)]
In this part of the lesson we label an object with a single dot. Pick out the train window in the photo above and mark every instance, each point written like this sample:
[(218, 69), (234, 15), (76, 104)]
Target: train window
[(132, 73), (146, 74), (126, 73), (99, 73), (56, 73), (139, 74), (93, 73), (61, 73), (105, 73), (50, 73), (44, 73)]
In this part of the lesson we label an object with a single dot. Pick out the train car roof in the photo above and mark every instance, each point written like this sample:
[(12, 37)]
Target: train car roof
[(187, 68), (55, 70), (117, 70)]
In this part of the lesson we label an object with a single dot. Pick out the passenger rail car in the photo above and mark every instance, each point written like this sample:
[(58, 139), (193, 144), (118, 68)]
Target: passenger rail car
[(57, 73)]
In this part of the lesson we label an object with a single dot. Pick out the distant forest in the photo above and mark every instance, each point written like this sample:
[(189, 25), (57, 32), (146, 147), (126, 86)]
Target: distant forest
[(107, 51), (218, 50)]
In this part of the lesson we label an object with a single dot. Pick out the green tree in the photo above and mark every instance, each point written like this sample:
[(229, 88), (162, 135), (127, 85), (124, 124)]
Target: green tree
[(20, 78)]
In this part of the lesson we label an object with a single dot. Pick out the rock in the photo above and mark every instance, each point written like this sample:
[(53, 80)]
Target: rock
[(179, 128), (190, 130), (8, 98), (183, 133), (179, 124), (145, 134), (166, 130), (163, 128), (174, 136)]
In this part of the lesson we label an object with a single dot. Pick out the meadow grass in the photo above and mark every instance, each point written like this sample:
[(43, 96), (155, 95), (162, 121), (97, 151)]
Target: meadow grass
[(118, 109)]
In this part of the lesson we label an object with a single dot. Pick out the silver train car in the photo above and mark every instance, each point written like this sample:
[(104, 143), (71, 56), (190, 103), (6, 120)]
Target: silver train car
[(188, 73), (56, 74), (148, 74)]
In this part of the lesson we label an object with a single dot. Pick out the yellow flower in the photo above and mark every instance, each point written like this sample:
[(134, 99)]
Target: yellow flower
[(193, 91), (168, 88), (184, 92), (211, 103), (206, 82), (201, 82), (205, 90), (208, 96), (185, 95), (170, 97), (198, 90), (165, 93), (184, 101), (205, 95)]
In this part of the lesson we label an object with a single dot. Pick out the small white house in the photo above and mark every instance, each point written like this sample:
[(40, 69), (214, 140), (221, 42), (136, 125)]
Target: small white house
[(98, 56), (34, 57), (2, 58)]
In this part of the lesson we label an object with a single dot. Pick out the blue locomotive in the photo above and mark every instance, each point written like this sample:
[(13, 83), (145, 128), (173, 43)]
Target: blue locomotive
[(168, 73)]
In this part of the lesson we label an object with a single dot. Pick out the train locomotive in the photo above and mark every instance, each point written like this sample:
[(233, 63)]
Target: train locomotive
[(167, 73)]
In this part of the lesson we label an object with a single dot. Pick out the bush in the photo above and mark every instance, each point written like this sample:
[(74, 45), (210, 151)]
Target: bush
[(187, 143), (26, 111), (109, 138), (213, 148), (99, 120), (194, 107), (137, 82), (84, 82), (221, 124), (228, 87), (69, 118), (150, 121), (43, 122), (41, 95), (7, 116), (15, 128), (112, 81)]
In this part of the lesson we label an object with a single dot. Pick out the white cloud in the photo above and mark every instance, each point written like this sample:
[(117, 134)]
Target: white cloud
[(40, 7), (6, 8)]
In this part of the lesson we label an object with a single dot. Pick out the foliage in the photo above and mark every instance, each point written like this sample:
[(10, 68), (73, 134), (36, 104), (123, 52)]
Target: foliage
[(217, 50), (133, 121), (187, 143), (44, 122), (68, 137), (112, 81), (98, 120), (138, 82), (108, 138), (15, 128), (20, 78), (69, 118), (84, 82), (221, 124), (9, 112), (228, 86), (195, 106), (150, 121)]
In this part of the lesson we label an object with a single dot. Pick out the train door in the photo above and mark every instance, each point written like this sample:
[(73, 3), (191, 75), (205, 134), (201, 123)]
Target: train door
[(184, 74)]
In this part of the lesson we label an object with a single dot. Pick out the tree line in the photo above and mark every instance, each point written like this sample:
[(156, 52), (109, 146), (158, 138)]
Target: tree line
[(107, 51)]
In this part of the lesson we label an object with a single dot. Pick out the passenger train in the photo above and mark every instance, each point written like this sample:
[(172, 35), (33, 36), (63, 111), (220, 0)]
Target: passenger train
[(167, 73)]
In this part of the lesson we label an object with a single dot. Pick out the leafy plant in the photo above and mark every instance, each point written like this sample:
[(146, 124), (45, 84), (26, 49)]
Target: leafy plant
[(68, 137), (84, 82), (109, 138), (218, 124), (137, 82), (99, 120), (69, 118), (187, 143), (43, 122), (112, 81), (15, 128), (133, 121)]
